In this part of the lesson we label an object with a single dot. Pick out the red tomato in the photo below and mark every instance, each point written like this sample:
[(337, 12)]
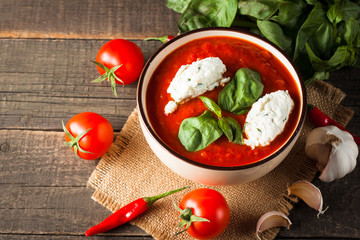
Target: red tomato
[(211, 205), (97, 140), (121, 52)]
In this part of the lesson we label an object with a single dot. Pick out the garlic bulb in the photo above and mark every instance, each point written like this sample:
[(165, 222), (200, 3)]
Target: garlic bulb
[(334, 150)]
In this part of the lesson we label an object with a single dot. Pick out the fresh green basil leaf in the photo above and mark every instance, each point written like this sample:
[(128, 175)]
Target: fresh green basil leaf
[(177, 5), (318, 76), (196, 133), (322, 40), (211, 105), (274, 33), (313, 22), (352, 34), (342, 11), (311, 2), (242, 91), (343, 56), (259, 9), (231, 129), (290, 14), (211, 13), (226, 128)]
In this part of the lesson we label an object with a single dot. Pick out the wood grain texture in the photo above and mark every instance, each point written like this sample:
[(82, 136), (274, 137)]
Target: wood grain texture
[(43, 188), (45, 81), (86, 19)]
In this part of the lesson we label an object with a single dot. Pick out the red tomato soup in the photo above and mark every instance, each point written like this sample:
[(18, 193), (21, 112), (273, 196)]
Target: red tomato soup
[(235, 53)]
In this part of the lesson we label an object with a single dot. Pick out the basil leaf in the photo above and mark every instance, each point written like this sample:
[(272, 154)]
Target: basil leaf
[(232, 129), (313, 22), (210, 13), (241, 92), (343, 56), (196, 133), (290, 14), (211, 105), (274, 33), (342, 11), (259, 9), (318, 76), (311, 2), (177, 5), (352, 34)]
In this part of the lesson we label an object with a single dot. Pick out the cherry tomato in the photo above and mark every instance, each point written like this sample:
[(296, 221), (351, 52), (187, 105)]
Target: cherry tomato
[(210, 205), (125, 53), (97, 134)]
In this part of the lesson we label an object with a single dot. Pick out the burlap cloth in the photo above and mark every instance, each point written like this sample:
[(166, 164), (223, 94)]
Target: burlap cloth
[(130, 170)]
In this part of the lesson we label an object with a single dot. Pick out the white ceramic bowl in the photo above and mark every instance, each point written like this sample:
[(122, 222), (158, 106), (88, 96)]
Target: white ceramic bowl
[(207, 174)]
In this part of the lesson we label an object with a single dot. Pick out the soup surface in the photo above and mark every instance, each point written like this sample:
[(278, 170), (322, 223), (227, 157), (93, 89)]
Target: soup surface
[(234, 53)]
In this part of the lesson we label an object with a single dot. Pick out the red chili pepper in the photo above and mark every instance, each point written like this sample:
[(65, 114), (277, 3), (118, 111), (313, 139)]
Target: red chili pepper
[(127, 213), (163, 39), (320, 119)]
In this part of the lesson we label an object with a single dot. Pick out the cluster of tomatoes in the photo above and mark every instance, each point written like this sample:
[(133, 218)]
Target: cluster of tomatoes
[(90, 136)]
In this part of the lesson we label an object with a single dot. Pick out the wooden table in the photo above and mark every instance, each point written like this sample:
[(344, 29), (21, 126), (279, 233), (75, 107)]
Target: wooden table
[(45, 77)]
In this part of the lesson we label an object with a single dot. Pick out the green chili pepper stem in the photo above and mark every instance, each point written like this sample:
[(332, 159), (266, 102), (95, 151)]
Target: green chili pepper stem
[(151, 200)]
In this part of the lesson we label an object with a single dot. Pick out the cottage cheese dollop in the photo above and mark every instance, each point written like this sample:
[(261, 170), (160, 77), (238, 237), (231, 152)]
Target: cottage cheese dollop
[(195, 79), (267, 118)]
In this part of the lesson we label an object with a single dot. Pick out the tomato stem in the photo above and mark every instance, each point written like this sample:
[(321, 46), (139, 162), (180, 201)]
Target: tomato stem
[(74, 142), (109, 75), (187, 218)]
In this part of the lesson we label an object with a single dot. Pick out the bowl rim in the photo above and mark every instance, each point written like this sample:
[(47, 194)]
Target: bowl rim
[(213, 167)]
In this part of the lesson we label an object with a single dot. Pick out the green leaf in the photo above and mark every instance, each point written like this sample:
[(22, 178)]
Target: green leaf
[(289, 14), (318, 76), (210, 13), (352, 34), (211, 105), (274, 33), (177, 5), (315, 19), (196, 133), (241, 92), (311, 2), (231, 129), (343, 56), (259, 9), (342, 11)]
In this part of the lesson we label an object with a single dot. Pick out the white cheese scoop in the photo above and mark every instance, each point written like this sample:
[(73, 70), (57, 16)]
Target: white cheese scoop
[(194, 79), (267, 118)]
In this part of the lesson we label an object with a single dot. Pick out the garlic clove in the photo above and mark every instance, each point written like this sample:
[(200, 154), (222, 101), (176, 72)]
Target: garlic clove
[(343, 155), (270, 220), (309, 193), (334, 150)]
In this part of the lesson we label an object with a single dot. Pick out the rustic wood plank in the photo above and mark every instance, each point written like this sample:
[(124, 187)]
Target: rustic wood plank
[(44, 189), (54, 210), (35, 158), (86, 19), (45, 81)]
